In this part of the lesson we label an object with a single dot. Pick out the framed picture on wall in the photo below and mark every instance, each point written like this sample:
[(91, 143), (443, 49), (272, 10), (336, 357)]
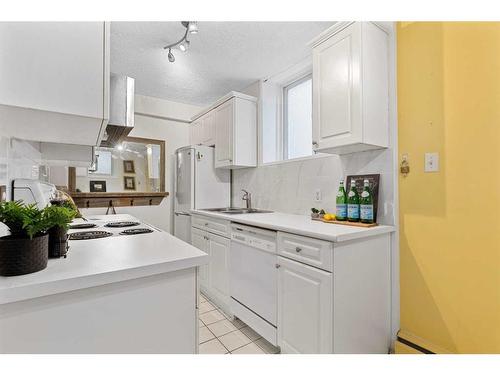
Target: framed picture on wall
[(128, 166), (97, 186), (129, 183)]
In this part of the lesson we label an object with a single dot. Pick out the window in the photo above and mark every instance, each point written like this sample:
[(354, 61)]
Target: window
[(297, 118)]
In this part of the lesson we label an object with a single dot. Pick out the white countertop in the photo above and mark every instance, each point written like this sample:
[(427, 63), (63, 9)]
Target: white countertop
[(105, 260), (301, 224)]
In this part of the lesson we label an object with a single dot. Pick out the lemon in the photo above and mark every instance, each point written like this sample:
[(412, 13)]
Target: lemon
[(329, 217)]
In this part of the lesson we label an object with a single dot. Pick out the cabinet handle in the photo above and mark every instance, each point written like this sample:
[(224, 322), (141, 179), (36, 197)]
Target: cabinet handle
[(298, 249), (277, 265), (315, 144), (206, 224)]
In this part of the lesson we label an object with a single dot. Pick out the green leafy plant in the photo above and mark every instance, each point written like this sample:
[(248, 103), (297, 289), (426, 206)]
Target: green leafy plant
[(322, 212), (314, 210), (23, 220), (72, 207), (58, 216)]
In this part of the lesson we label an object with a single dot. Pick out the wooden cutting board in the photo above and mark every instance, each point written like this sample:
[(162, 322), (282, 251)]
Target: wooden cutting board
[(348, 223)]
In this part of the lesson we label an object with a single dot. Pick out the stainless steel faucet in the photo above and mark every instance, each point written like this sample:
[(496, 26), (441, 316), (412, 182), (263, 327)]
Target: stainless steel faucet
[(248, 198)]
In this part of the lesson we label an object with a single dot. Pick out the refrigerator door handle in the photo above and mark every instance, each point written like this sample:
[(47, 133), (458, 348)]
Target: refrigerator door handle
[(182, 214)]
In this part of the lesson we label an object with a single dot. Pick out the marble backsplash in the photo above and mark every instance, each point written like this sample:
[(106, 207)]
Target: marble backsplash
[(290, 187), (20, 159)]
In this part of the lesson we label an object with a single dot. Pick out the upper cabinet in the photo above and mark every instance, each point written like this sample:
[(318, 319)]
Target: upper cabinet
[(350, 88), (55, 83), (231, 125)]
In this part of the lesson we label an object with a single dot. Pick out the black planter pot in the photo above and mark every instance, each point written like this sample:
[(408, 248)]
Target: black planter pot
[(58, 242), (19, 256)]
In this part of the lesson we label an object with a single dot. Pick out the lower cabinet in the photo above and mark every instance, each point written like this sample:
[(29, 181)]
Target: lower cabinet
[(218, 276), (214, 277), (305, 297), (199, 239)]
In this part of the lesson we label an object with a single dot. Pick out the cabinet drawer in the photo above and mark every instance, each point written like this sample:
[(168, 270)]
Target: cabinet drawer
[(306, 250), (216, 226)]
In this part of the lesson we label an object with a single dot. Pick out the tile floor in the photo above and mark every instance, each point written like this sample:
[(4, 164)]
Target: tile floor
[(219, 335)]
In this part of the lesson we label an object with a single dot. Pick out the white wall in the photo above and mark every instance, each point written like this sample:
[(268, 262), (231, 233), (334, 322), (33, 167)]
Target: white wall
[(164, 120)]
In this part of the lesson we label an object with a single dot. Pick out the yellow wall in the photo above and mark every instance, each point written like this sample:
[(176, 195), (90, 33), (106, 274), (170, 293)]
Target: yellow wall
[(449, 102)]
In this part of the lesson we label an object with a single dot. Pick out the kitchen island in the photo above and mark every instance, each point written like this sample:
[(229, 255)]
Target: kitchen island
[(118, 294)]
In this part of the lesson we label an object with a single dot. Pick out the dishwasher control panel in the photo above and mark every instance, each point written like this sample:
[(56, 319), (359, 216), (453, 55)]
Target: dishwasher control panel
[(254, 237)]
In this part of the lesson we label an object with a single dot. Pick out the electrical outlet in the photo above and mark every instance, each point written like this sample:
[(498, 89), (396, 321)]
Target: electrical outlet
[(317, 195), (431, 162)]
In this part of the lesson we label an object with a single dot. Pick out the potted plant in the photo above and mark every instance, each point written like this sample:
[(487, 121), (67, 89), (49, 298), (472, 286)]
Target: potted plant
[(322, 213), (314, 213), (58, 218), (25, 250)]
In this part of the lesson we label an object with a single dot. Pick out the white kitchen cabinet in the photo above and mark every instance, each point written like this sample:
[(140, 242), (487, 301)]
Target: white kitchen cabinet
[(304, 308), (195, 133), (231, 125), (208, 129), (214, 277), (350, 88), (199, 239), (219, 268), (55, 81)]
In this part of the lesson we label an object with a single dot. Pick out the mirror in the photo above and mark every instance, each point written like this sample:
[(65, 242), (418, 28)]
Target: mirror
[(135, 165)]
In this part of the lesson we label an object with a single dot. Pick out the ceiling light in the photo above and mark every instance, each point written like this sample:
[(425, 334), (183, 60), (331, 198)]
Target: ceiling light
[(183, 43), (184, 46), (193, 27), (119, 147), (171, 56)]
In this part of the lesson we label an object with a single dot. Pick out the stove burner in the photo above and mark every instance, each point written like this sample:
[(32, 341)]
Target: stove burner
[(83, 226), (120, 224), (136, 231), (89, 234)]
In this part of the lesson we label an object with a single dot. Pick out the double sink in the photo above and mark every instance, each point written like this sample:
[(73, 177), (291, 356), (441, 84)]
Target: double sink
[(237, 210)]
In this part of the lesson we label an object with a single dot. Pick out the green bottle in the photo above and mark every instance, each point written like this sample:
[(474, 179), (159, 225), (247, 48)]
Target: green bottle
[(353, 203), (366, 204), (341, 211)]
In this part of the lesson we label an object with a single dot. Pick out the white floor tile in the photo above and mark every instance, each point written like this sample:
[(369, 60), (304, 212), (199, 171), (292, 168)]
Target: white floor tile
[(211, 317), (221, 327), (205, 334), (206, 307), (200, 323), (266, 346), (234, 340), (249, 349), (250, 333), (212, 347), (202, 298)]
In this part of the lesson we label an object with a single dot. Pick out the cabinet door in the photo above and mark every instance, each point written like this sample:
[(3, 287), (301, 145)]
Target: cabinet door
[(54, 66), (195, 134), (208, 124), (199, 239), (304, 308), (224, 120), (219, 268), (336, 89)]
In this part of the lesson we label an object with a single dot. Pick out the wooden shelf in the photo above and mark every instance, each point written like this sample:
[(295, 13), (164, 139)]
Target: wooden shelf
[(123, 199)]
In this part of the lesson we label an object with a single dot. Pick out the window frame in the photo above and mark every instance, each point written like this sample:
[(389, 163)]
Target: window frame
[(284, 115)]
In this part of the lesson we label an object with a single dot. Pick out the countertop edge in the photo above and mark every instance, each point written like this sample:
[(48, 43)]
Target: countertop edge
[(363, 233), (31, 291)]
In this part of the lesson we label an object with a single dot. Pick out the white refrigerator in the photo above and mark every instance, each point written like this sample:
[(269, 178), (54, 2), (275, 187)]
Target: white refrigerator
[(197, 185)]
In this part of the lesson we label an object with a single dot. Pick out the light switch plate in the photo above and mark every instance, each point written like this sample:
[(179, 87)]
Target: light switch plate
[(431, 162), (317, 195)]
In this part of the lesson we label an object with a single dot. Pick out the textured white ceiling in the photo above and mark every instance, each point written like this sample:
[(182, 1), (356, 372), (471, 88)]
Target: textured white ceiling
[(223, 56)]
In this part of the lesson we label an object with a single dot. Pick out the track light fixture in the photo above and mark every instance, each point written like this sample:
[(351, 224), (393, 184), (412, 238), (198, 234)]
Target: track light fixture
[(183, 43), (171, 56)]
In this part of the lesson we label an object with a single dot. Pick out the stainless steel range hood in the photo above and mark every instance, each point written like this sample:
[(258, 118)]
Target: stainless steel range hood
[(121, 110)]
